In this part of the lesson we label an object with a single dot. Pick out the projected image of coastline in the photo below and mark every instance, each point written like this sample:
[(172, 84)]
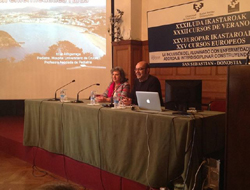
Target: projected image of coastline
[(72, 34)]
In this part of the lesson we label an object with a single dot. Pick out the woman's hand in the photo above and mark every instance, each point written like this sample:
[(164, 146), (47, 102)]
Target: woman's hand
[(100, 99)]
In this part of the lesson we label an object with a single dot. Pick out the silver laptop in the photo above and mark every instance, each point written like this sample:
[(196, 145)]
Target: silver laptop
[(148, 100)]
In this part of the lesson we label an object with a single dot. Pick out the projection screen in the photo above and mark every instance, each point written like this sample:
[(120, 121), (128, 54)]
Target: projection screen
[(45, 44)]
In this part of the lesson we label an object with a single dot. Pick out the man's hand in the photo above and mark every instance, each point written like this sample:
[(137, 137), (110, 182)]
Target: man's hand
[(127, 101)]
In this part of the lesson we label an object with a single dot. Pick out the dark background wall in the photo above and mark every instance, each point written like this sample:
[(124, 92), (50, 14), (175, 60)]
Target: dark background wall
[(11, 107)]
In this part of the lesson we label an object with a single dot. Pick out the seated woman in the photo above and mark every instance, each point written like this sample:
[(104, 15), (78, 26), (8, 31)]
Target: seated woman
[(119, 86)]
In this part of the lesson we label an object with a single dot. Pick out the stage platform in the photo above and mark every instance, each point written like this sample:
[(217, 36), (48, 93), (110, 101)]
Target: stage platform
[(11, 142)]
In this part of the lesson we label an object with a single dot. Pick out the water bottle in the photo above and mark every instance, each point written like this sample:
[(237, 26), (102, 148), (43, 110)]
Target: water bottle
[(116, 101), (62, 95), (92, 97)]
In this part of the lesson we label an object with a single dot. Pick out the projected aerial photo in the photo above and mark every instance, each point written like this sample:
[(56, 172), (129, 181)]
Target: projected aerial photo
[(53, 33)]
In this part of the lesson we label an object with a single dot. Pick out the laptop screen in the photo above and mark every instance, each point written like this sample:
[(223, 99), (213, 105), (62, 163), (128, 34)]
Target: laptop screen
[(148, 100)]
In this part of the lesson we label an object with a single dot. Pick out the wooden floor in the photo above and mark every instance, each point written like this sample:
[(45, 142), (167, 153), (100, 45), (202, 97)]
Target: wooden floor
[(15, 174)]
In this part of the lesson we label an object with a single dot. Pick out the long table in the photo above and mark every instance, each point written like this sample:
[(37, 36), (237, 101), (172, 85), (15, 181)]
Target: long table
[(148, 148)]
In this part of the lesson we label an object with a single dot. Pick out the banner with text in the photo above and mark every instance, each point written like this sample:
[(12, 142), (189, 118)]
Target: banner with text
[(201, 33)]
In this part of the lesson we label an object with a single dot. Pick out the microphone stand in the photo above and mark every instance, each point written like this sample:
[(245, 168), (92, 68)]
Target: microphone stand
[(77, 97), (57, 99)]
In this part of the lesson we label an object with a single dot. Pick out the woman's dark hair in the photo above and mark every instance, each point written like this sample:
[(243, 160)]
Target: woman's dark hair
[(122, 73)]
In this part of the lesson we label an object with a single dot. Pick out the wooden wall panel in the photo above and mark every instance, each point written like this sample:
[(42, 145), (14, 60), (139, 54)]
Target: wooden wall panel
[(214, 78), (167, 72), (204, 71), (126, 54), (222, 70), (145, 55), (183, 71), (122, 59), (237, 166)]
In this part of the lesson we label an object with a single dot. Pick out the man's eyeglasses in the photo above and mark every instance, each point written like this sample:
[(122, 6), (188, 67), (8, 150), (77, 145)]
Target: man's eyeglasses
[(139, 69)]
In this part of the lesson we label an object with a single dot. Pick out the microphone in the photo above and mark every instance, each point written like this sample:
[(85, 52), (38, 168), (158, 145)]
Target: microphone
[(247, 59), (77, 98), (56, 99)]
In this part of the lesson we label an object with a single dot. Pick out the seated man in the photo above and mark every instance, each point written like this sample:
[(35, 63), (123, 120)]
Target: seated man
[(144, 82)]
